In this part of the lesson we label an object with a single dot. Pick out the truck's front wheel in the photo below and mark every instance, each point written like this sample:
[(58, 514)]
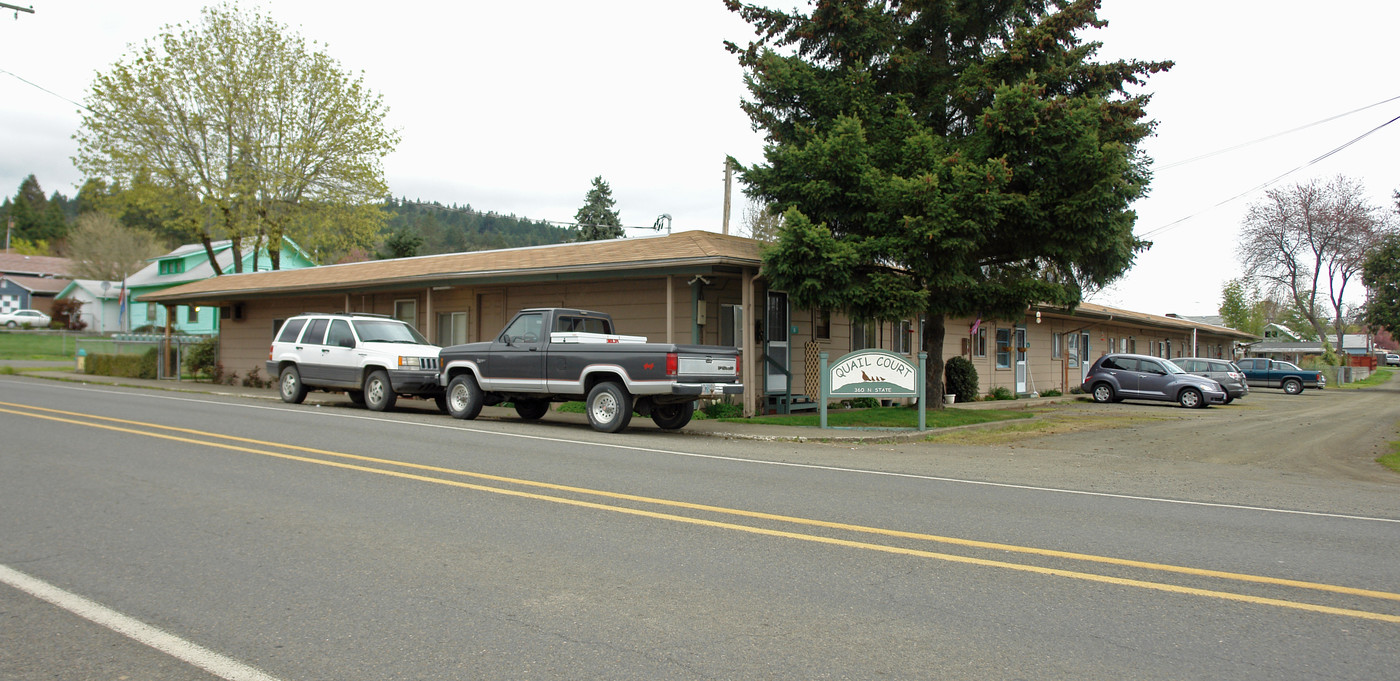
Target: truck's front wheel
[(464, 397), (672, 416), (609, 407)]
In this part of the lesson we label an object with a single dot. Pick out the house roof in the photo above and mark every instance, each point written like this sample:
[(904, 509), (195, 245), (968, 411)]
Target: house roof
[(681, 252), (150, 275), (1091, 311), (94, 288), (34, 265), (40, 285), (635, 255)]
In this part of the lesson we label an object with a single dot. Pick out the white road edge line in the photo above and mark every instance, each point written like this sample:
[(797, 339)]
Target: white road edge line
[(165, 642), (761, 462)]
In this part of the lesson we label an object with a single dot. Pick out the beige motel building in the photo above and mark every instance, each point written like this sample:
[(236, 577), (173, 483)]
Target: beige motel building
[(690, 287)]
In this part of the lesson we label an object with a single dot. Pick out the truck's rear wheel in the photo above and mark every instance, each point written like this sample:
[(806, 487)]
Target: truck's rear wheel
[(1292, 386), (531, 410), (379, 392), (464, 398), (609, 407), (672, 416)]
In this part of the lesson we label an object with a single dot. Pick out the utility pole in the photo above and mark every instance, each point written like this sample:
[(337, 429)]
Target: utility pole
[(17, 9), (728, 183)]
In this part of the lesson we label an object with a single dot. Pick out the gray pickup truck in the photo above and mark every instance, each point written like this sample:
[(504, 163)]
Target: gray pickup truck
[(554, 355)]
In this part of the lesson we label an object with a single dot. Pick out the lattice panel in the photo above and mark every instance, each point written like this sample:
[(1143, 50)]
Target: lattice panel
[(811, 355)]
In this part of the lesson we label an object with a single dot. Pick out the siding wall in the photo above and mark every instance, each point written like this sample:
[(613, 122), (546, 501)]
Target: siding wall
[(638, 306)]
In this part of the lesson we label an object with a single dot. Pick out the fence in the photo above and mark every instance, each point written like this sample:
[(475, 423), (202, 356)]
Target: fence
[(138, 343)]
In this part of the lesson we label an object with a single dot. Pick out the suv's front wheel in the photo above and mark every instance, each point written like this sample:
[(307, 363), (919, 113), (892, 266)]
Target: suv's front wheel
[(290, 385), (379, 392)]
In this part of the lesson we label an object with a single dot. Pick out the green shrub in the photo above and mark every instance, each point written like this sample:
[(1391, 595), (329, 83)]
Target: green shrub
[(865, 403), (1051, 393), (1001, 392), (722, 410), (202, 358), (126, 366), (960, 378)]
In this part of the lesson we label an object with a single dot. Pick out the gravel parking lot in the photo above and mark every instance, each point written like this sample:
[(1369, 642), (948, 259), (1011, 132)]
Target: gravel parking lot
[(1314, 451)]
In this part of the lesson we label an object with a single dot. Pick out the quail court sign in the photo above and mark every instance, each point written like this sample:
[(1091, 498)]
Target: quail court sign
[(873, 373)]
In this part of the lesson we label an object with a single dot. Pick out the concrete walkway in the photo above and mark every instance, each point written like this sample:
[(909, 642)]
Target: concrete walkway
[(62, 371)]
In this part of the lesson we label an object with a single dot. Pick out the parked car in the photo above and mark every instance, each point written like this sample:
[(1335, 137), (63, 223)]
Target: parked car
[(372, 358), (1117, 377), (1392, 360), (1222, 371), (31, 318), (1262, 372)]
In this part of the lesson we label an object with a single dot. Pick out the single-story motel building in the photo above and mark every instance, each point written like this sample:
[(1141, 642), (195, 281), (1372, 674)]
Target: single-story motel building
[(690, 287)]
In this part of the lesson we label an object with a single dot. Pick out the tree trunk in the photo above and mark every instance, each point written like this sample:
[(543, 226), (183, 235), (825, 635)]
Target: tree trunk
[(209, 251), (933, 345)]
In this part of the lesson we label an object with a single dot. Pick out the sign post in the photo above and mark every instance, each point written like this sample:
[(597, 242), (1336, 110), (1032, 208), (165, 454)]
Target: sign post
[(873, 373)]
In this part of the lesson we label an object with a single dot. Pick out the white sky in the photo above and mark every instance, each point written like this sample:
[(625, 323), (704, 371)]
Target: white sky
[(515, 106)]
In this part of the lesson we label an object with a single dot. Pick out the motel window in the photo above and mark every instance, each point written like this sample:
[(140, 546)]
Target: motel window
[(979, 342), (821, 325), (905, 335), (863, 335), (406, 311), (1056, 340), (451, 328), (1003, 348), (192, 314), (1072, 347), (731, 325)]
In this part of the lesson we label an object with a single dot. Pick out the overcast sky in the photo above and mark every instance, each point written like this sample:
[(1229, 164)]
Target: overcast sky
[(514, 106)]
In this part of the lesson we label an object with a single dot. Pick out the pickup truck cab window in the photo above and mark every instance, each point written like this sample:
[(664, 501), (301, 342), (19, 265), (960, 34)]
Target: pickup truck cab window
[(525, 329)]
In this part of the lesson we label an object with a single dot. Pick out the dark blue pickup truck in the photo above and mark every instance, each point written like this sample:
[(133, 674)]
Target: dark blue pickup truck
[(1260, 372), (554, 355)]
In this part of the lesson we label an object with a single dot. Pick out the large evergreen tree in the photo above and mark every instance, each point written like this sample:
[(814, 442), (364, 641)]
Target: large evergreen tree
[(35, 217), (596, 219), (950, 157), (1381, 275)]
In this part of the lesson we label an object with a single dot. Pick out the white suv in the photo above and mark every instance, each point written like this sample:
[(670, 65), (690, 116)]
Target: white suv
[(372, 358)]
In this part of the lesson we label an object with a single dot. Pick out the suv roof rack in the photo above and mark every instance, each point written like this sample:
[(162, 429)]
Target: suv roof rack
[(346, 314)]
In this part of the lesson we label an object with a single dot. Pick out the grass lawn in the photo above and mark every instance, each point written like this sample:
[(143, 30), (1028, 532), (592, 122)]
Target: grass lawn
[(42, 346), (1377, 377), (889, 417)]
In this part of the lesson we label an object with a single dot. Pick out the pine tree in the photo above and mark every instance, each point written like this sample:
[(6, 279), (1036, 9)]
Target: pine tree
[(596, 219)]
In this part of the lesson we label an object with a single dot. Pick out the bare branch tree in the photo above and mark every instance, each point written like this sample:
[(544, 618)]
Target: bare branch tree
[(1301, 239)]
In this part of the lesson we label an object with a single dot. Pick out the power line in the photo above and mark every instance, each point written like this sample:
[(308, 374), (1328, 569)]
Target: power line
[(1329, 119), (36, 85), (1354, 140)]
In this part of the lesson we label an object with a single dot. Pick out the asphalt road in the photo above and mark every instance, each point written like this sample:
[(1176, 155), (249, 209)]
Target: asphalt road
[(267, 541)]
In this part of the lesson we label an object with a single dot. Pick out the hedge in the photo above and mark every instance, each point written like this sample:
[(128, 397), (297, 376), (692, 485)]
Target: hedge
[(126, 366)]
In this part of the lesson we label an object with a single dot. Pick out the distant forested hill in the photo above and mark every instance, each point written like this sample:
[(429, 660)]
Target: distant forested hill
[(452, 229)]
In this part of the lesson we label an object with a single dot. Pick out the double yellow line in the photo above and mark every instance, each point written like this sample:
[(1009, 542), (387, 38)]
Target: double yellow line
[(340, 459)]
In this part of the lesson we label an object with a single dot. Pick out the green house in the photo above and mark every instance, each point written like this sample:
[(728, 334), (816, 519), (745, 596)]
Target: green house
[(191, 263)]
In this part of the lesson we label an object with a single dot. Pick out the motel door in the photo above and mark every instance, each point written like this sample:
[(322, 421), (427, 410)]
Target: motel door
[(775, 327), (1021, 369), (1084, 356)]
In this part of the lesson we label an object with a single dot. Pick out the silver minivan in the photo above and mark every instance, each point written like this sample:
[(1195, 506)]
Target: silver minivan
[(1222, 371)]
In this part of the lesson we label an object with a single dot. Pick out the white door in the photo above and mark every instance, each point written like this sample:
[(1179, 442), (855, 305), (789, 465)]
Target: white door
[(1084, 355), (1021, 386), (775, 327)]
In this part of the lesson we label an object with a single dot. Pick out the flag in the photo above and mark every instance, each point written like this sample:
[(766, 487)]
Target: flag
[(121, 307), (975, 325)]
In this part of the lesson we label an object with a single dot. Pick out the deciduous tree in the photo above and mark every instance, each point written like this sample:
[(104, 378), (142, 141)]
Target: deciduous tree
[(236, 128), (947, 157), (1308, 241), (102, 249)]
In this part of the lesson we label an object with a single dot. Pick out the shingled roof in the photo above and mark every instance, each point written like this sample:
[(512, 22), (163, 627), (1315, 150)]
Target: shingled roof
[(624, 256)]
